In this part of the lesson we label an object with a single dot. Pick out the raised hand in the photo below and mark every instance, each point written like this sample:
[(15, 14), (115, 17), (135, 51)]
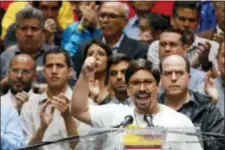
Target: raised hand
[(61, 103), (146, 37), (21, 98), (50, 25), (203, 52), (90, 65), (89, 16), (210, 88), (46, 115)]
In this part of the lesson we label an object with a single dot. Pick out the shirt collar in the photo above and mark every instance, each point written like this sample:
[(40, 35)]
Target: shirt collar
[(11, 94), (219, 30), (191, 100), (127, 101), (117, 45), (134, 22)]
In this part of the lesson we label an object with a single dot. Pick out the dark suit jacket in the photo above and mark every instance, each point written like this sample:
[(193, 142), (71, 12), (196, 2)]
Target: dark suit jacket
[(208, 34), (132, 48)]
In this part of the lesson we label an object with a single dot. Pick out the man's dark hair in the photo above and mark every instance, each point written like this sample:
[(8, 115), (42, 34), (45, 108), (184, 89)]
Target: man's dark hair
[(117, 58), (114, 59), (36, 4), (97, 42), (157, 22), (29, 13), (141, 64), (187, 64), (184, 38), (57, 50), (194, 5)]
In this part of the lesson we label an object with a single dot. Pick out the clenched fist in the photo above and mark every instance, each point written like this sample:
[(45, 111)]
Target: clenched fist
[(90, 66)]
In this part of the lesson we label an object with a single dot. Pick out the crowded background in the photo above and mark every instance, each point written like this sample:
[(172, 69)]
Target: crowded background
[(70, 66)]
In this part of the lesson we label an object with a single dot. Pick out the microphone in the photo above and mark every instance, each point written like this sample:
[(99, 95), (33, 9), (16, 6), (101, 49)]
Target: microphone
[(148, 119), (127, 120)]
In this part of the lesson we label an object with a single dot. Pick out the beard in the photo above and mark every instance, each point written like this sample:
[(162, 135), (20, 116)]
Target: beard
[(25, 87)]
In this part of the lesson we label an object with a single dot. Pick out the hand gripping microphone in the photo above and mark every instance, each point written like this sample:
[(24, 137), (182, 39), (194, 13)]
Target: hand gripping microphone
[(148, 118), (127, 120)]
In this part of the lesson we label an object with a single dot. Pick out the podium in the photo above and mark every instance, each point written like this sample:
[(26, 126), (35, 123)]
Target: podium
[(134, 138)]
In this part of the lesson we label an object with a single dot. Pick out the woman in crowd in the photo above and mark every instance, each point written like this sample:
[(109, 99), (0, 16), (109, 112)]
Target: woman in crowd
[(98, 83)]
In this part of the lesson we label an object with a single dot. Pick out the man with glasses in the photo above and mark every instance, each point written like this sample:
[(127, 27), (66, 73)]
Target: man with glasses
[(186, 17), (173, 41), (30, 37), (142, 85), (113, 17), (21, 74)]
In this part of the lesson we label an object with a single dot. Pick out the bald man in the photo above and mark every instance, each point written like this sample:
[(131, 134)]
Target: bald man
[(175, 73), (21, 74)]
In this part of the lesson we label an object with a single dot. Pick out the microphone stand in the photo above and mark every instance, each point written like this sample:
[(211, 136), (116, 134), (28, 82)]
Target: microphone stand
[(73, 137)]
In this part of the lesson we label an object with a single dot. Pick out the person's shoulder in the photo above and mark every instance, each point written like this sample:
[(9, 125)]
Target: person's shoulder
[(154, 45), (197, 72), (173, 118), (7, 109)]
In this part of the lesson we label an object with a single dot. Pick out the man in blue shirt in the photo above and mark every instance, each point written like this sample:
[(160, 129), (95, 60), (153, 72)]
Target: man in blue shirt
[(11, 131)]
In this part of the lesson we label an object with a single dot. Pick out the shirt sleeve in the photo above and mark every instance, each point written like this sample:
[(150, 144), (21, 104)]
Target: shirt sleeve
[(27, 123), (12, 135), (101, 116)]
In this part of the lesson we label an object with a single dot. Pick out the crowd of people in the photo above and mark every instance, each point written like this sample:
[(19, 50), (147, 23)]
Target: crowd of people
[(68, 68)]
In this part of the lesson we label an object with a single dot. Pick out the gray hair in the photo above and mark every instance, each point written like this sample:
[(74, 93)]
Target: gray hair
[(124, 7), (30, 13)]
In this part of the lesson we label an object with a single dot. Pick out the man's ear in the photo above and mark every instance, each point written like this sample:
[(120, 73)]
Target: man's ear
[(172, 21)]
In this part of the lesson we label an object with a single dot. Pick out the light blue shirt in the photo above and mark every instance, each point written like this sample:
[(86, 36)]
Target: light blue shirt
[(132, 28), (72, 37), (11, 131)]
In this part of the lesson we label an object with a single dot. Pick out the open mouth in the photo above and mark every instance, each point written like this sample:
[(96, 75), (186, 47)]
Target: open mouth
[(143, 98)]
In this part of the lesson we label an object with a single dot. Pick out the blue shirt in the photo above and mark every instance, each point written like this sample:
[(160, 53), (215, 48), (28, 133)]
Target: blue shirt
[(208, 17), (11, 131), (72, 37), (132, 28)]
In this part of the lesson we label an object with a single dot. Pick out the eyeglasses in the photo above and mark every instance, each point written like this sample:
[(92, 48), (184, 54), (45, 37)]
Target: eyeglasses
[(171, 44), (138, 83), (110, 15), (22, 71)]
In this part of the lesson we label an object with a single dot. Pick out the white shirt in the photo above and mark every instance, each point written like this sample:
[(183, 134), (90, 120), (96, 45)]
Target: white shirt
[(9, 98), (107, 116), (31, 122), (127, 101)]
